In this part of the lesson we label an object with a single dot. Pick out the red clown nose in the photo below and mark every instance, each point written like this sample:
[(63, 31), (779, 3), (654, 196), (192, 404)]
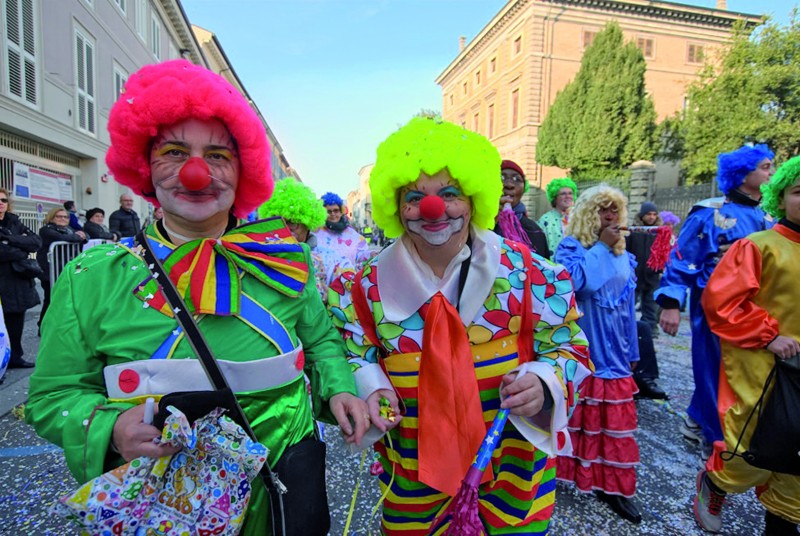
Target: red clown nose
[(431, 207), (194, 174)]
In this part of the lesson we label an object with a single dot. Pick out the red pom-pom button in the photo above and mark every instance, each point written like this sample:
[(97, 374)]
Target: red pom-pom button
[(561, 440), (376, 469), (194, 174), (128, 380), (431, 207)]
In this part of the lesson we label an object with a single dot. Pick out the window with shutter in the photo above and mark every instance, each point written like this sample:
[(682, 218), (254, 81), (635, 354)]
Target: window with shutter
[(155, 37), (141, 19), (84, 76), (120, 78), (20, 45)]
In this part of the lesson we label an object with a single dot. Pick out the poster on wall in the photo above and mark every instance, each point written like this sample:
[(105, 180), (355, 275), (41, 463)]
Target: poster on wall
[(38, 185)]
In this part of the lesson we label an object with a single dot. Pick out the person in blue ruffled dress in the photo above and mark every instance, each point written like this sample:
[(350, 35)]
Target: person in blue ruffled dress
[(605, 452)]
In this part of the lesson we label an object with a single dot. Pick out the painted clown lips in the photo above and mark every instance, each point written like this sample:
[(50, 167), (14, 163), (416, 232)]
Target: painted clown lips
[(214, 189), (436, 233)]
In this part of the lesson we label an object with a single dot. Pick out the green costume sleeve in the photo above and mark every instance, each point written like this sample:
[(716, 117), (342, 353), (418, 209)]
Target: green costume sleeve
[(325, 365), (67, 404)]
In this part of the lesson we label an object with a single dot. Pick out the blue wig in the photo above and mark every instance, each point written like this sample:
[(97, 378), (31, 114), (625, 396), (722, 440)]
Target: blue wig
[(733, 167), (331, 198)]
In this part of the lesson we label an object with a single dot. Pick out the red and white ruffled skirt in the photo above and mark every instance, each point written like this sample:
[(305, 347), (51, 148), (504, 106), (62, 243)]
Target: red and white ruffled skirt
[(604, 451)]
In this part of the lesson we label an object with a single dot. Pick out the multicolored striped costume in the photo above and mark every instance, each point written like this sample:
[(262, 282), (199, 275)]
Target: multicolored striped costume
[(520, 497)]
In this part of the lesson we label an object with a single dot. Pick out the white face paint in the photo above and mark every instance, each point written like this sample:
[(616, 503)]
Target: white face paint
[(437, 233), (451, 228)]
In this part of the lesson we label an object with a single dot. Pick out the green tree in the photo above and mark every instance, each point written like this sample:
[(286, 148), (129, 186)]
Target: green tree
[(749, 92), (603, 120)]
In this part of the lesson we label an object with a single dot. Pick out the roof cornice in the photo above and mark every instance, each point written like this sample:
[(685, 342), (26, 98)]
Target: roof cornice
[(721, 18), (180, 22)]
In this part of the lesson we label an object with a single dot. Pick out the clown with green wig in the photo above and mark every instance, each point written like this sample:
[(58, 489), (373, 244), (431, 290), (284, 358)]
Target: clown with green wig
[(298, 205), (448, 325), (561, 194), (750, 302)]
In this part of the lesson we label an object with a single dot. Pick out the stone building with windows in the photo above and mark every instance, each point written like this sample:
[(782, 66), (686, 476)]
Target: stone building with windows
[(63, 64), (359, 201), (504, 81)]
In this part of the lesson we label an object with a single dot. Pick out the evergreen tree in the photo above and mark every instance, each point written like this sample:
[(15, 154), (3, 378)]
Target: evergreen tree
[(749, 93), (603, 120)]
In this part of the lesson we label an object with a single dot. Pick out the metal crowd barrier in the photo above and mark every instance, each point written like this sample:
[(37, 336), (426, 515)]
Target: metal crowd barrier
[(60, 253)]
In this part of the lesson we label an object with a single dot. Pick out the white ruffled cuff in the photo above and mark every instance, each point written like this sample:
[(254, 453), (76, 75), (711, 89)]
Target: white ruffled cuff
[(370, 378), (548, 428)]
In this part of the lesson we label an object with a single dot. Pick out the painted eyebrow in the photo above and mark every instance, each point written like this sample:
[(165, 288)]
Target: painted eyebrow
[(408, 195), (185, 145), (449, 189)]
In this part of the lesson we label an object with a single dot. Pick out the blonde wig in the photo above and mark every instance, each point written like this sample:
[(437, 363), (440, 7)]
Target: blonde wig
[(584, 219)]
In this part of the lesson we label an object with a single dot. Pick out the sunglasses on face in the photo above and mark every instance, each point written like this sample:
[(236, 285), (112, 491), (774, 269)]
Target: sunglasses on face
[(3, 200), (334, 211)]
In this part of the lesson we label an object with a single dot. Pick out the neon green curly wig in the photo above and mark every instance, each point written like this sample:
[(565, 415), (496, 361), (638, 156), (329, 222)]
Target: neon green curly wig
[(296, 202), (787, 175), (556, 184), (429, 145)]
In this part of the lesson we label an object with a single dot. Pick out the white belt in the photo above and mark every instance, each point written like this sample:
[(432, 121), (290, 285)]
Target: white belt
[(163, 376)]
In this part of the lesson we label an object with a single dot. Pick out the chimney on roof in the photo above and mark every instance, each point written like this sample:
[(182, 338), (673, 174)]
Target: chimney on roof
[(722, 4), (462, 41)]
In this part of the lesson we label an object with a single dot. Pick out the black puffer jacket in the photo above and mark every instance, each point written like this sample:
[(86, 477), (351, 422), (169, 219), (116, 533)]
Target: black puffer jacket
[(54, 233), (639, 244), (16, 243), (95, 230)]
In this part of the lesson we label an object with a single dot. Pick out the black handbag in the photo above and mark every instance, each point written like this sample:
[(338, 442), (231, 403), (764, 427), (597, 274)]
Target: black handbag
[(27, 268), (775, 444), (296, 485)]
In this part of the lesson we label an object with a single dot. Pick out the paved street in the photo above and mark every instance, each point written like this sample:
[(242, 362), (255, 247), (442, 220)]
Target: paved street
[(33, 473)]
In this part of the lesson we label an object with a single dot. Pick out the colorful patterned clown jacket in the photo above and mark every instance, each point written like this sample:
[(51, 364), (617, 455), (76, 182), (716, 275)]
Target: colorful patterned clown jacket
[(519, 496), (110, 340)]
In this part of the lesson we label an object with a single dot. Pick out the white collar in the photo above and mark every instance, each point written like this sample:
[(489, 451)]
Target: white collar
[(406, 283)]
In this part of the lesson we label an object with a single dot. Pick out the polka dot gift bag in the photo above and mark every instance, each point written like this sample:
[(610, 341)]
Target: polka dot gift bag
[(203, 489)]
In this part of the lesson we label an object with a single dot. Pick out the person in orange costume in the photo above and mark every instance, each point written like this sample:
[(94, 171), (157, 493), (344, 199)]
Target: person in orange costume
[(750, 303)]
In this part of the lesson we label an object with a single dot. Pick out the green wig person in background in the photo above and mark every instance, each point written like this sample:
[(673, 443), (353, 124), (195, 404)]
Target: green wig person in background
[(298, 205), (561, 193)]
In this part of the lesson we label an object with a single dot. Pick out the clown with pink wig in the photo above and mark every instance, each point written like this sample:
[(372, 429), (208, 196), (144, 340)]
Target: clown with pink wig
[(186, 140)]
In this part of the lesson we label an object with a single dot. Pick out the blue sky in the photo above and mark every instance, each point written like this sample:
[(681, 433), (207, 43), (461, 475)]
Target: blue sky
[(333, 78)]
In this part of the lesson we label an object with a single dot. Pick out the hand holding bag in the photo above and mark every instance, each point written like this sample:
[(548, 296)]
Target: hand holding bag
[(204, 489)]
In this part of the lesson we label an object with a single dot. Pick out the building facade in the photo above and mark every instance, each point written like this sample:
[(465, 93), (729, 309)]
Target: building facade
[(359, 202), (63, 64), (504, 81)]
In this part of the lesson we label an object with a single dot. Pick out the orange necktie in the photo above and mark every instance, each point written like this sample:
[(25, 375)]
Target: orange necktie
[(451, 425)]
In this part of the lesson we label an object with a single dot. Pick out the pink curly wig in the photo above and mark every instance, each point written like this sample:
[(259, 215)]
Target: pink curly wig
[(166, 93)]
